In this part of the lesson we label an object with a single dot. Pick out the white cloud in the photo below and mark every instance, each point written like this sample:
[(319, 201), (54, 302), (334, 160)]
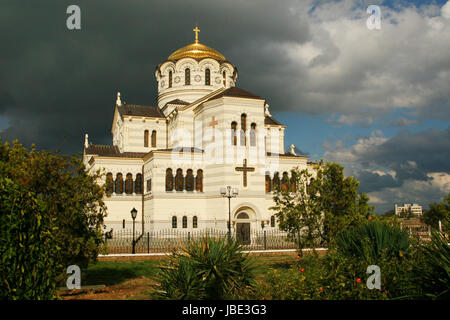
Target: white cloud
[(345, 68), (445, 10)]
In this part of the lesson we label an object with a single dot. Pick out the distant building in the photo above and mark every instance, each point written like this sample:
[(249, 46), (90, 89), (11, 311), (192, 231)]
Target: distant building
[(415, 209)]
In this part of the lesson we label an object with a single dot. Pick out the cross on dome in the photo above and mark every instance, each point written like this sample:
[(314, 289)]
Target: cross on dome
[(196, 30)]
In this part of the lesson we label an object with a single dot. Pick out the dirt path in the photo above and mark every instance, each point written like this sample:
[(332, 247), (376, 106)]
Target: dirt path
[(134, 289)]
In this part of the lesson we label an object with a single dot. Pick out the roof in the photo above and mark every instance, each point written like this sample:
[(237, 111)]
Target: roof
[(111, 151), (270, 154), (235, 92), (197, 51), (140, 110), (271, 121), (178, 101)]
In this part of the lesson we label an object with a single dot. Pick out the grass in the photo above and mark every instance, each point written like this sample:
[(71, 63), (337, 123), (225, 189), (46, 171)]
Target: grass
[(116, 272)]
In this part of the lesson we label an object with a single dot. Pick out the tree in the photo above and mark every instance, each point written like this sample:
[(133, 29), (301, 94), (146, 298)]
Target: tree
[(27, 245), (297, 212), (323, 204), (339, 199), (437, 212), (72, 198)]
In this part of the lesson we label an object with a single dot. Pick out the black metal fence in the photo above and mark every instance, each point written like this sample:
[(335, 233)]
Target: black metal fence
[(166, 240)]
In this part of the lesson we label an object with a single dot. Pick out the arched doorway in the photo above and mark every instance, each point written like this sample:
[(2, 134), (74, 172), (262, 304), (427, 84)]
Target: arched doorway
[(243, 228)]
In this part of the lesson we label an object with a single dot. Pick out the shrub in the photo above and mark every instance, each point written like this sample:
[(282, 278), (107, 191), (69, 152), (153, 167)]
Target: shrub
[(207, 269), (371, 240), (27, 245), (433, 275)]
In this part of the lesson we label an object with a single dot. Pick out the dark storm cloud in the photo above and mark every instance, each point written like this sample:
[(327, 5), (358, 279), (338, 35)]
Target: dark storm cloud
[(373, 181), (411, 156), (58, 84)]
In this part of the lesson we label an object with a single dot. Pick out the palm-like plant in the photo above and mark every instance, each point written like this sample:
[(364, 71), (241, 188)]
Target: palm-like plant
[(434, 272), (209, 268), (371, 240)]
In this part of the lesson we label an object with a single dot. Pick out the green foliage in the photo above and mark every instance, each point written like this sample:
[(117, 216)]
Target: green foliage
[(27, 245), (371, 240), (72, 198), (437, 212), (434, 273), (323, 204), (206, 269), (297, 212)]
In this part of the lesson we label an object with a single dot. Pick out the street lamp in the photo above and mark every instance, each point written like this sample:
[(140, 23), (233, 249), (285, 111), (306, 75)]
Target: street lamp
[(229, 193), (133, 215)]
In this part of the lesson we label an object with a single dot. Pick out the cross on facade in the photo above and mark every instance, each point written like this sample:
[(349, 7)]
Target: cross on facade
[(196, 30), (245, 169), (213, 124)]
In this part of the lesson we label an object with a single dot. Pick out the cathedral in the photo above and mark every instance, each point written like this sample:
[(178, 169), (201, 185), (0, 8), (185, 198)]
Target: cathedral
[(208, 153)]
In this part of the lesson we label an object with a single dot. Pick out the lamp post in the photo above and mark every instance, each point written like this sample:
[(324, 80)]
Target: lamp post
[(133, 215), (229, 193)]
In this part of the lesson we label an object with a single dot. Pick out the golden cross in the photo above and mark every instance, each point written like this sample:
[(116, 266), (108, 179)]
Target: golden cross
[(196, 30)]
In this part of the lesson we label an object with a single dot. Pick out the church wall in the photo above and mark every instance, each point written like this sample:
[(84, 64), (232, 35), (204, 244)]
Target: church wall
[(134, 133)]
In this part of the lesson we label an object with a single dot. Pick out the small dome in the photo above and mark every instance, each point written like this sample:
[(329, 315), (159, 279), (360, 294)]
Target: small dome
[(196, 51)]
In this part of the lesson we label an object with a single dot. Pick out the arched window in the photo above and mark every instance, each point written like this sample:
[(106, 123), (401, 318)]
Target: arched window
[(268, 183), (129, 184), (293, 181), (194, 222), (146, 138), (199, 181), (272, 221), (233, 133), (170, 79), (109, 183), (276, 181), (224, 74), (253, 135), (174, 222), (189, 180), (119, 183), (169, 180), (187, 76), (207, 77), (243, 129), (154, 139), (138, 186), (123, 223), (242, 215), (179, 180), (285, 182), (184, 222)]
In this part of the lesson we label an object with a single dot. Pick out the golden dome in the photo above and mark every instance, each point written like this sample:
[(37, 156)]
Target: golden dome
[(196, 50)]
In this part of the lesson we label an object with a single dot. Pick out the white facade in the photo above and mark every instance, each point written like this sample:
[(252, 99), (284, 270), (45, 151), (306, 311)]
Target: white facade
[(197, 115), (415, 209)]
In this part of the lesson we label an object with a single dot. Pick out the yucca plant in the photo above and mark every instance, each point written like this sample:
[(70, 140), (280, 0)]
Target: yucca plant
[(208, 268), (371, 240), (434, 273)]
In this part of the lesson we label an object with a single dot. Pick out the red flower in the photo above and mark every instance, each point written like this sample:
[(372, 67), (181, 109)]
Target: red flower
[(298, 257), (358, 280), (302, 270), (321, 289), (262, 298)]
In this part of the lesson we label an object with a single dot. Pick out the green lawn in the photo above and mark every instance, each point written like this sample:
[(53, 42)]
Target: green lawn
[(116, 272)]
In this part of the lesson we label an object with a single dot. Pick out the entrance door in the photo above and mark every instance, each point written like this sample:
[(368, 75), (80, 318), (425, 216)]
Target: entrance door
[(243, 232)]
